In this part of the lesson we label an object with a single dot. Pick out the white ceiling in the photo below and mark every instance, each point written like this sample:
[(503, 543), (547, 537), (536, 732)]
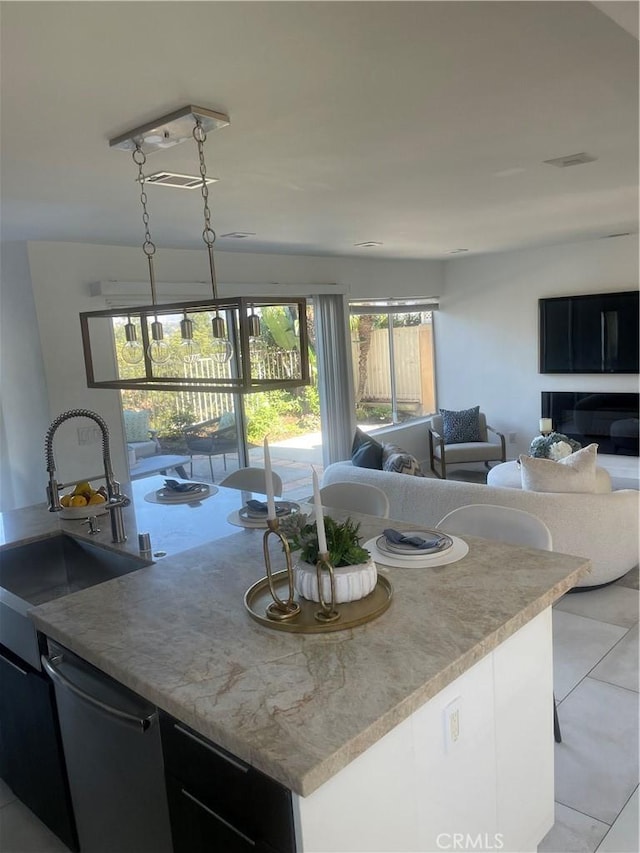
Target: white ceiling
[(422, 125)]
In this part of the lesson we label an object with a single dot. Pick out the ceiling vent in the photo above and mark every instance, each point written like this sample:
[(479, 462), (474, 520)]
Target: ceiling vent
[(173, 179), (571, 160)]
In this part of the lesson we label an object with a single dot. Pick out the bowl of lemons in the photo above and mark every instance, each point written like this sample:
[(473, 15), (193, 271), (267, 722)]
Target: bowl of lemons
[(83, 501)]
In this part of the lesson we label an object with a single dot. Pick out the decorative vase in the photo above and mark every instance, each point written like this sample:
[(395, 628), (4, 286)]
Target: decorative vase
[(351, 582)]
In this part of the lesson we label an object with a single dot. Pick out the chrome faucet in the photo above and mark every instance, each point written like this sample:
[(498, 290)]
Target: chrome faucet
[(115, 499)]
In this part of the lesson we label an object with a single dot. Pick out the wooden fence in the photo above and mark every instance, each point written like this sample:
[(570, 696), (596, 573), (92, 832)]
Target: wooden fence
[(414, 373)]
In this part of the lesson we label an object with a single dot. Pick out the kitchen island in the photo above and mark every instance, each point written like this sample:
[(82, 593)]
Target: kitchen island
[(352, 722)]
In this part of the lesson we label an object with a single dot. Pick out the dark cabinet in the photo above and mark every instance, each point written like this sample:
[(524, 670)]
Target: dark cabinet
[(217, 802), (31, 758)]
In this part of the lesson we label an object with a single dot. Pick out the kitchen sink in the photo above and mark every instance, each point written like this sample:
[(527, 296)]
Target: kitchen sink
[(44, 570)]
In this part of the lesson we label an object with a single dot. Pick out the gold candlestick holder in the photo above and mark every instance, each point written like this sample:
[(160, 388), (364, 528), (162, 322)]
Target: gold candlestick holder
[(328, 612), (279, 610)]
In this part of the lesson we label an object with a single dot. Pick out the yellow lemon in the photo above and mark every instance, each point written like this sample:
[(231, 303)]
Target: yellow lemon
[(78, 500), (97, 498), (83, 488), (65, 500)]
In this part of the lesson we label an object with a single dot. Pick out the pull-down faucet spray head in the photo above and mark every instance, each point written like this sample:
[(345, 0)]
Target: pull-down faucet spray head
[(115, 499)]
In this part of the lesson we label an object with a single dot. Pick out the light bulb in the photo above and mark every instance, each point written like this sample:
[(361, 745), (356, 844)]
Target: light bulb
[(257, 349), (221, 350), (132, 352), (158, 350), (189, 351)]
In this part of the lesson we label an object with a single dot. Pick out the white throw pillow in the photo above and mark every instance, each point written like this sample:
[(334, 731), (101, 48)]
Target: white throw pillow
[(574, 473)]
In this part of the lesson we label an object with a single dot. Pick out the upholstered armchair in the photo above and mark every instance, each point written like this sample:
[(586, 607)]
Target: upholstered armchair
[(141, 440), (443, 451)]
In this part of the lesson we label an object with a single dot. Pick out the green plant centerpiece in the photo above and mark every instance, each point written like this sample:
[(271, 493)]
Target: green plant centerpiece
[(354, 571)]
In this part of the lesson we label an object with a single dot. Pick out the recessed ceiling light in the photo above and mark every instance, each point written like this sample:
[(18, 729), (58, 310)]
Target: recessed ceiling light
[(239, 235), (173, 179), (571, 160), (457, 251), (369, 244)]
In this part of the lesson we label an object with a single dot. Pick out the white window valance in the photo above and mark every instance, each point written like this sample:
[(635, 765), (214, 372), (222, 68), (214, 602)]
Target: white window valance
[(123, 294)]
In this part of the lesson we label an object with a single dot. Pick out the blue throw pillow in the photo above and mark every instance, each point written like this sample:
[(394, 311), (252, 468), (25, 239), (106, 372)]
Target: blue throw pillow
[(366, 452), (462, 426)]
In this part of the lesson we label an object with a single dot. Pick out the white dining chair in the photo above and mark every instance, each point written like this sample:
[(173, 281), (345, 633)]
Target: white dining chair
[(498, 522), (356, 497), (252, 480), (506, 524)]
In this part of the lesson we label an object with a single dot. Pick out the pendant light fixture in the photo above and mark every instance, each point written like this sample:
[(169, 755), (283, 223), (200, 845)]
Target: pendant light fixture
[(233, 346), (189, 348), (131, 351)]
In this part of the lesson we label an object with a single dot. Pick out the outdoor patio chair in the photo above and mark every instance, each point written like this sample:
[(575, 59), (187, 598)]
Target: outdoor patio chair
[(214, 437)]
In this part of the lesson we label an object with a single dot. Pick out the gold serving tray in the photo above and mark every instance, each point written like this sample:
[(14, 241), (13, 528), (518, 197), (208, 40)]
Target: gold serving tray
[(257, 598)]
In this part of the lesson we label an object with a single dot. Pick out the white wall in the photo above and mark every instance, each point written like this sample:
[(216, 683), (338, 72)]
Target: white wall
[(24, 411), (486, 333), (61, 274), (485, 336)]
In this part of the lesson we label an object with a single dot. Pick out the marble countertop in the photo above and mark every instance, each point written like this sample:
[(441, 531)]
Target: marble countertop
[(299, 708)]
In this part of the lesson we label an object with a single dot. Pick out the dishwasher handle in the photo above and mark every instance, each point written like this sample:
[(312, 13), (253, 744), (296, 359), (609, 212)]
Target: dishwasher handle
[(140, 723)]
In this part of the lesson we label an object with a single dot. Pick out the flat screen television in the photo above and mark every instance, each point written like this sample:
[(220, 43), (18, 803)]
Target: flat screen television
[(595, 333)]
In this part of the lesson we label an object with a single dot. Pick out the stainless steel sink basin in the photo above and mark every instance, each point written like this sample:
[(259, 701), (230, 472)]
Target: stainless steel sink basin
[(44, 570)]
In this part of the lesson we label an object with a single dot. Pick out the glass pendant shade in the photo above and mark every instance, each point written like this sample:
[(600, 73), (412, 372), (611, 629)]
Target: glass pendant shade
[(132, 351), (158, 350), (189, 348), (221, 346), (257, 347)]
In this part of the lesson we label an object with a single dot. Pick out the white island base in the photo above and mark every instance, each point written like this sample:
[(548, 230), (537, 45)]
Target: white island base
[(422, 788)]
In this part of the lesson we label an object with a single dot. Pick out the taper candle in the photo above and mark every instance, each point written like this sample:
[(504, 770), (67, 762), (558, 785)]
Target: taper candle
[(271, 504), (317, 505)]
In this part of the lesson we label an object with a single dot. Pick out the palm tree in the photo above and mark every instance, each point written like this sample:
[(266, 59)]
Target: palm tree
[(365, 331)]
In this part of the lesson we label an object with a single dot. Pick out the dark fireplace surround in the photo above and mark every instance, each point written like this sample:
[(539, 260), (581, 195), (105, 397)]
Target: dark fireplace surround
[(611, 420)]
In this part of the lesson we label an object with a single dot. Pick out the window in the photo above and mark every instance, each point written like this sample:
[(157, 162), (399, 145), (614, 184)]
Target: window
[(392, 351), (220, 432)]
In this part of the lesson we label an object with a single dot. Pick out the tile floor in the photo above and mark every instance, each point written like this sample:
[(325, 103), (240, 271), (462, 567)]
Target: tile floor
[(596, 685), (595, 649)]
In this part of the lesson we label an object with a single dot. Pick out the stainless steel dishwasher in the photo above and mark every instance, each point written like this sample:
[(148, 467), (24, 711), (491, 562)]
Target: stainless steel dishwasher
[(112, 748)]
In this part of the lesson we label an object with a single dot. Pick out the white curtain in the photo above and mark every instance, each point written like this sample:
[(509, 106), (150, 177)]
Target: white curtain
[(335, 377)]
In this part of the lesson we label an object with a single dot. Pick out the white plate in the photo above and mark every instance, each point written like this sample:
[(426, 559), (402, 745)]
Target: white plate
[(408, 550), (170, 496), (236, 518), (458, 550), (283, 508)]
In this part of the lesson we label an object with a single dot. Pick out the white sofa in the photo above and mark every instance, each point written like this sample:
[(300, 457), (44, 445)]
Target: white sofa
[(602, 527)]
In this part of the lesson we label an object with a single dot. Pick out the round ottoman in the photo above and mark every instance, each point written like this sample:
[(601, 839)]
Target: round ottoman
[(507, 475)]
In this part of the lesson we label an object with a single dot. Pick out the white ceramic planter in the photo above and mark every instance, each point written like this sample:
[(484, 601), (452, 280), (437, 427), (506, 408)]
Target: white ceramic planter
[(351, 582)]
